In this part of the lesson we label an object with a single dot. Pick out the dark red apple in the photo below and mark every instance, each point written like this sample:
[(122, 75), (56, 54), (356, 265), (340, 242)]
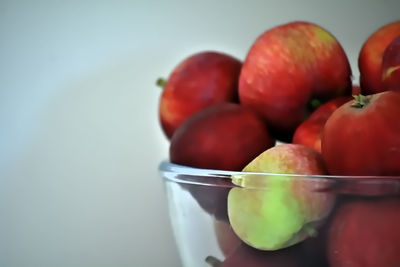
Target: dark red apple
[(366, 233), (224, 136), (391, 66), (356, 90), (362, 137), (198, 81), (247, 256), (310, 253), (288, 69), (370, 57), (309, 132), (226, 237), (211, 198)]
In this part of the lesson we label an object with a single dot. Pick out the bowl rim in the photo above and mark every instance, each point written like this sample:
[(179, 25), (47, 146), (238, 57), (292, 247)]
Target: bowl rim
[(166, 166)]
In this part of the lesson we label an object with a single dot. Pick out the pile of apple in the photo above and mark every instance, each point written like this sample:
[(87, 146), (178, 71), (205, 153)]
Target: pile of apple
[(291, 108)]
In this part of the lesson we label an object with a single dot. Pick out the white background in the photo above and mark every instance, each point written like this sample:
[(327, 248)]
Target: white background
[(80, 140)]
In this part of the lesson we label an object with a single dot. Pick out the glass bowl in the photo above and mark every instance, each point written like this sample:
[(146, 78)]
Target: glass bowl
[(224, 218)]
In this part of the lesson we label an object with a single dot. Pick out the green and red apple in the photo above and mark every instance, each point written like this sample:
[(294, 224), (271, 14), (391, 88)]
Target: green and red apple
[(272, 211), (289, 70)]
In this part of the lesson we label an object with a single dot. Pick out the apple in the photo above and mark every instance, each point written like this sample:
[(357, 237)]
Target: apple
[(391, 66), (370, 57), (362, 137), (224, 136), (311, 252), (212, 199), (356, 90), (202, 79), (247, 256), (271, 211), (226, 237), (309, 132), (366, 233), (289, 70)]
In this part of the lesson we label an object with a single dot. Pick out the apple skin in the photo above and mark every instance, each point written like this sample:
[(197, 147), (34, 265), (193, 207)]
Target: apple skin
[(309, 132), (309, 253), (226, 237), (391, 66), (366, 233), (247, 256), (202, 79), (370, 57), (364, 140), (225, 136), (356, 90), (287, 68), (279, 211), (212, 199)]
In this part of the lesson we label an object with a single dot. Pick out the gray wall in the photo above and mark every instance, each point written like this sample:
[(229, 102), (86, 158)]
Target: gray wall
[(79, 135)]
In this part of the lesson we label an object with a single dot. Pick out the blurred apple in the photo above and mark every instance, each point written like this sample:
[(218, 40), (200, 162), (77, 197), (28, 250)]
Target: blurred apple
[(366, 233), (245, 256), (224, 136), (370, 57), (226, 237), (391, 66), (291, 69), (356, 90), (199, 81), (309, 132)]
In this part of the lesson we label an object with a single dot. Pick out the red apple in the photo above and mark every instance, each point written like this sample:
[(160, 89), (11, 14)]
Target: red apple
[(224, 136), (309, 132), (391, 66), (362, 137), (370, 57), (288, 69), (198, 81), (356, 90), (366, 233)]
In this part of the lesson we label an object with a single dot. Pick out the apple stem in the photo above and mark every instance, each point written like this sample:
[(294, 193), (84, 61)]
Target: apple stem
[(360, 101), (213, 261), (161, 82)]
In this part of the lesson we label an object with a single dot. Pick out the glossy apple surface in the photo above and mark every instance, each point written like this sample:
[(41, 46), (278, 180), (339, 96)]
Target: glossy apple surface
[(288, 69), (370, 57), (363, 137), (198, 81)]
